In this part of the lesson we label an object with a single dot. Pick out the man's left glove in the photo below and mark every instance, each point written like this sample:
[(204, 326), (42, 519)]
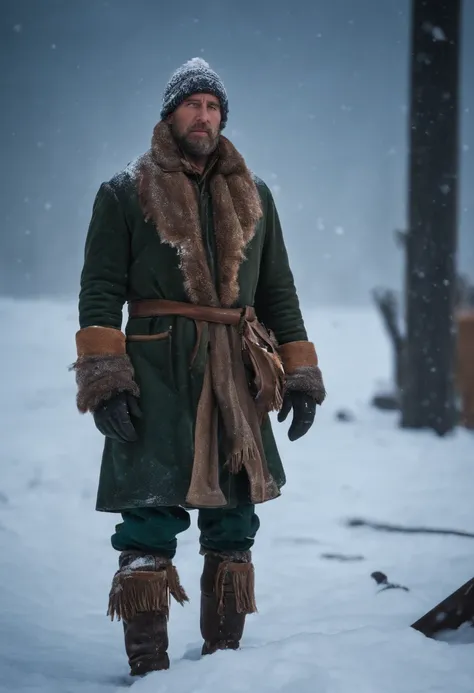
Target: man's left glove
[(304, 387), (304, 411)]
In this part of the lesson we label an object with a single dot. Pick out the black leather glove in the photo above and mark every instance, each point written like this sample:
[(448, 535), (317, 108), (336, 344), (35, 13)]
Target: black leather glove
[(113, 417), (304, 411)]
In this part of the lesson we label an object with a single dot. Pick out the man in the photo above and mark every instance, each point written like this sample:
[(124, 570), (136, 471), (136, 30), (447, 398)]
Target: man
[(214, 341)]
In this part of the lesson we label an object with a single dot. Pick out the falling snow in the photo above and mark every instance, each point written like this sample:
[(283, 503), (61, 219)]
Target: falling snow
[(438, 34)]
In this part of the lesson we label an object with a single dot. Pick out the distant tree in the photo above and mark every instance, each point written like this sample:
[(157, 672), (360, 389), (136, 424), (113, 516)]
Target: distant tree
[(427, 395)]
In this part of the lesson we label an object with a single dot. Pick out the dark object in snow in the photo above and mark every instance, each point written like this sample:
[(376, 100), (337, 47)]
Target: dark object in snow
[(344, 415), (381, 579), (449, 614), (342, 557), (302, 541), (386, 527), (387, 401)]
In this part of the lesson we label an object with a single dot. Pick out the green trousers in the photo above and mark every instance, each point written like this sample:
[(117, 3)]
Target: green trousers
[(156, 529)]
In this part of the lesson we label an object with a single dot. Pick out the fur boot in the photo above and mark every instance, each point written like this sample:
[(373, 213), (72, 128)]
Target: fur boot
[(227, 596), (140, 598)]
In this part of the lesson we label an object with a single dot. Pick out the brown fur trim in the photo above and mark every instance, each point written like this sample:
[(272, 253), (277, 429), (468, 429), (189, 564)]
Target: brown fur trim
[(135, 591), (307, 379), (233, 556), (99, 341), (242, 576), (133, 559), (237, 208), (98, 378), (169, 200), (297, 354)]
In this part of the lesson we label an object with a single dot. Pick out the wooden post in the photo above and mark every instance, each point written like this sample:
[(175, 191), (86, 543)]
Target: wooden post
[(428, 394), (449, 614)]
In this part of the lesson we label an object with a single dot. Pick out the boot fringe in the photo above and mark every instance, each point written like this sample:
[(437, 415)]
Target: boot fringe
[(144, 590), (243, 584), (176, 589)]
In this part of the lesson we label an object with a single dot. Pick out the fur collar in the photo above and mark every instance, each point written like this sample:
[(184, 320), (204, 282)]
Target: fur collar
[(169, 200)]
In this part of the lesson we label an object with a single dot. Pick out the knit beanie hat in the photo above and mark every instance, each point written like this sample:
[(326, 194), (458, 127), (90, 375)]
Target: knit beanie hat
[(194, 77)]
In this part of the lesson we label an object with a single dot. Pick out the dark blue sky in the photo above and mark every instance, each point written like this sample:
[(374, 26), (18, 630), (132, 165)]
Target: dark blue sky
[(318, 96)]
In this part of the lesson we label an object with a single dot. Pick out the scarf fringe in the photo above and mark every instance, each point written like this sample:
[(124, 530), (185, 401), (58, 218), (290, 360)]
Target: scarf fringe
[(277, 402), (144, 590), (242, 577), (237, 460)]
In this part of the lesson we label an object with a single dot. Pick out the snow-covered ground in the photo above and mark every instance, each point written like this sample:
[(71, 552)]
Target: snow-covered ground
[(322, 626)]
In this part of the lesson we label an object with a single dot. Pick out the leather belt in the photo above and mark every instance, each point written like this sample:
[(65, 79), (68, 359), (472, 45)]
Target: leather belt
[(156, 307), (149, 308)]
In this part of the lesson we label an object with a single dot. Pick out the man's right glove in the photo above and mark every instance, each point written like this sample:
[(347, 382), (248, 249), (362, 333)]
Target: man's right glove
[(113, 417), (105, 382)]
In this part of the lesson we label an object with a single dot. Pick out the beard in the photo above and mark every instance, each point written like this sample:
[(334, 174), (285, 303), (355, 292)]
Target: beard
[(196, 145)]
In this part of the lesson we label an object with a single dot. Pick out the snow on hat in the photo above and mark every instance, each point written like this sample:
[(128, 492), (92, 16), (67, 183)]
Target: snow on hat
[(194, 77)]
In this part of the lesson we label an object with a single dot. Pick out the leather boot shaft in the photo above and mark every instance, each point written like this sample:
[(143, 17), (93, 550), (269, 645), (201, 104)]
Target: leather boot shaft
[(227, 596), (140, 597), (146, 642)]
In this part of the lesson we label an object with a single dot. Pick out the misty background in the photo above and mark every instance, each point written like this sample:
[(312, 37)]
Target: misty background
[(318, 94)]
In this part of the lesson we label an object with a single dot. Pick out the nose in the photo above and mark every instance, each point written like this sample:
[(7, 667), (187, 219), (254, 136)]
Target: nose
[(203, 115)]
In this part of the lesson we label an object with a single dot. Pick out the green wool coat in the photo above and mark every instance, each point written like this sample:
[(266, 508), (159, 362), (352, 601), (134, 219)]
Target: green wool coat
[(127, 258)]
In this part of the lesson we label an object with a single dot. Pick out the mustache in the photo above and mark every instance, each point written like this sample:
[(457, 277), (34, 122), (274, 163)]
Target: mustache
[(200, 128)]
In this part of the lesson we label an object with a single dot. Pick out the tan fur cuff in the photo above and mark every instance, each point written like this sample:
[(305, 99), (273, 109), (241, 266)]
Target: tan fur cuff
[(297, 354), (100, 341), (99, 378), (103, 367), (307, 379)]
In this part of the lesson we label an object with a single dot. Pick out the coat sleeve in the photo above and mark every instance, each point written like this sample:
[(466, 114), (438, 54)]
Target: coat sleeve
[(103, 367), (276, 299), (104, 274), (277, 306)]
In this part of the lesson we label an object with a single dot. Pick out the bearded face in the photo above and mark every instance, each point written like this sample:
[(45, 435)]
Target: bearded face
[(195, 125)]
